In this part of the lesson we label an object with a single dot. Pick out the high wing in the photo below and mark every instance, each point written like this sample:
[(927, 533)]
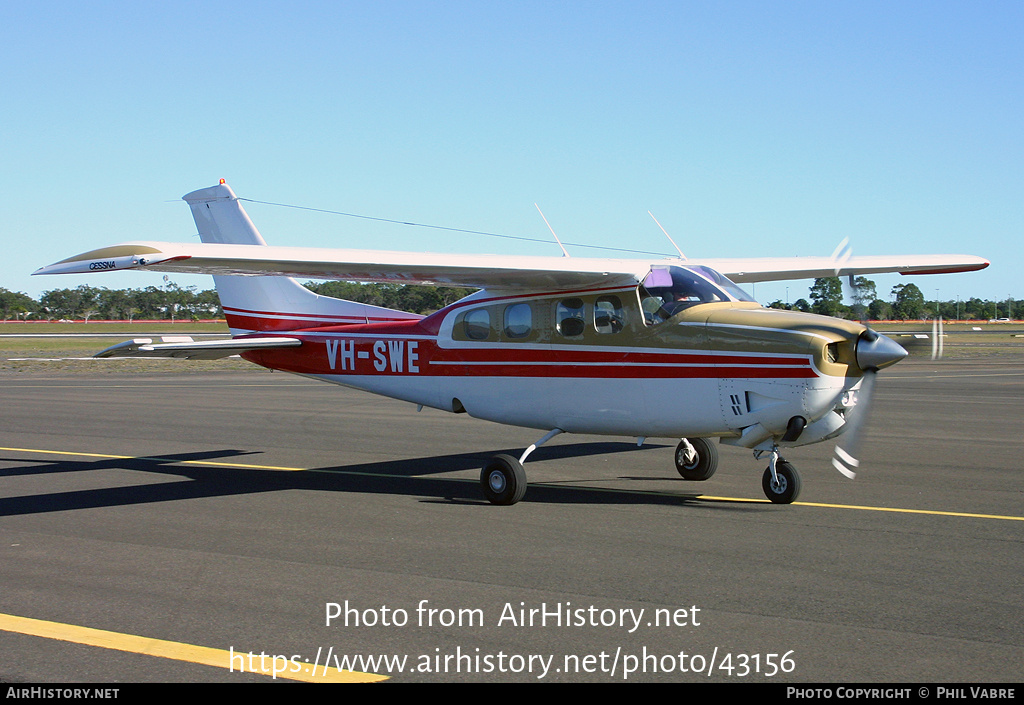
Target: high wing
[(186, 348), (512, 273), (481, 271), (784, 268)]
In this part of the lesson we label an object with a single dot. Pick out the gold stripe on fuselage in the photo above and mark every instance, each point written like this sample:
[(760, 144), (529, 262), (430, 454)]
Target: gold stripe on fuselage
[(722, 327)]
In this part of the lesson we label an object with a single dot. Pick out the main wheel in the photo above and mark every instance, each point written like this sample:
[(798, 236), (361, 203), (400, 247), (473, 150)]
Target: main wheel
[(703, 465), (503, 480), (787, 489)]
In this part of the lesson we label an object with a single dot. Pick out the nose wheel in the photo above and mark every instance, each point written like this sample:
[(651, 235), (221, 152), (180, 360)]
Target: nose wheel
[(782, 486)]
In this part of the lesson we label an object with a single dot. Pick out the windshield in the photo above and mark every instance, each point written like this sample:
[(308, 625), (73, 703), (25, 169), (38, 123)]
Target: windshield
[(668, 290)]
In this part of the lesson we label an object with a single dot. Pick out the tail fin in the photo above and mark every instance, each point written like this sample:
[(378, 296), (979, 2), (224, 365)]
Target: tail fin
[(268, 303)]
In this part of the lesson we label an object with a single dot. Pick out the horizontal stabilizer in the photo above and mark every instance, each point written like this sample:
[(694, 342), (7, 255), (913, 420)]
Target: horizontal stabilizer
[(187, 349)]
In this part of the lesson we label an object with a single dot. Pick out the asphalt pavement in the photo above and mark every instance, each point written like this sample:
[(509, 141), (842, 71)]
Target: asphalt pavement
[(265, 514)]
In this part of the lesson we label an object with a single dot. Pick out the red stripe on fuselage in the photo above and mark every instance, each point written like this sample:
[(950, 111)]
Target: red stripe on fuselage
[(421, 356), (282, 321)]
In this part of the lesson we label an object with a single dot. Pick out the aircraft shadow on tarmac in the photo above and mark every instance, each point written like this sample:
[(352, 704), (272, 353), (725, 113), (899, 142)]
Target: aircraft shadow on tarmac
[(396, 477)]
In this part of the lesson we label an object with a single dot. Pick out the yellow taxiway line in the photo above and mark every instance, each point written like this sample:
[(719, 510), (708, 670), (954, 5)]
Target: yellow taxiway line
[(233, 660), (706, 498), (243, 660)]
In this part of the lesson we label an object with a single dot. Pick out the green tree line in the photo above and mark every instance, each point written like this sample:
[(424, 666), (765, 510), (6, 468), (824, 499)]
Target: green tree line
[(171, 302), (417, 299), (85, 302), (829, 297)]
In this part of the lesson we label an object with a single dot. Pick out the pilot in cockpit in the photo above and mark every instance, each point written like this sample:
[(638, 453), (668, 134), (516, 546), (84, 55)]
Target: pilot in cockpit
[(667, 292), (680, 298)]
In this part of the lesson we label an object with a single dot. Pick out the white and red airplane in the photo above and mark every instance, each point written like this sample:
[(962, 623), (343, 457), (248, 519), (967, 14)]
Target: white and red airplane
[(628, 347)]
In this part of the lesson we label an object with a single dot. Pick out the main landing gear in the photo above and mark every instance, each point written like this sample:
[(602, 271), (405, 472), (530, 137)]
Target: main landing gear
[(503, 480), (696, 459)]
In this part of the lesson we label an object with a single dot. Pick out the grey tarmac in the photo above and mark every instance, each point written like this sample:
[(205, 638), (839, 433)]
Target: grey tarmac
[(230, 509)]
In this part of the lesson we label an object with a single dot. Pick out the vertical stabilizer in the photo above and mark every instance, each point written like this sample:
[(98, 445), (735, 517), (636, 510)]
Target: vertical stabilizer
[(268, 303)]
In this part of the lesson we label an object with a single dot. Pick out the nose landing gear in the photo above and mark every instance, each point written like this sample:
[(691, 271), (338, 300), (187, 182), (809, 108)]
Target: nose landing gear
[(781, 481)]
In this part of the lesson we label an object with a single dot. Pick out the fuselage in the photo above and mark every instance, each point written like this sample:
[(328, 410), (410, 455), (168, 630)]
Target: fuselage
[(603, 361)]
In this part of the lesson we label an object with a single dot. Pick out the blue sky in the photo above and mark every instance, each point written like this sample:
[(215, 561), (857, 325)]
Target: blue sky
[(747, 128)]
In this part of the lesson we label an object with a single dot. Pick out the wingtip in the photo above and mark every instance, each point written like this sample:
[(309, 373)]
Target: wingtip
[(970, 264)]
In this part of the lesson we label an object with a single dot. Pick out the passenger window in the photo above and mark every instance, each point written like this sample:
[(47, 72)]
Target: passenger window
[(569, 318), (477, 324), (518, 320), (608, 315)]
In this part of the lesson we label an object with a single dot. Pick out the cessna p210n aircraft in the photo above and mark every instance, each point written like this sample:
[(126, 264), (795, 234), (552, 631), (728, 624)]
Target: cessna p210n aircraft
[(628, 347)]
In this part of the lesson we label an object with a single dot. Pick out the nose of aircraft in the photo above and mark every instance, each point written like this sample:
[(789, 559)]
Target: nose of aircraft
[(875, 351)]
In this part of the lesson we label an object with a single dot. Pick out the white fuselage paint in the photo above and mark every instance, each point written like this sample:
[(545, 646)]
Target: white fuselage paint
[(632, 405)]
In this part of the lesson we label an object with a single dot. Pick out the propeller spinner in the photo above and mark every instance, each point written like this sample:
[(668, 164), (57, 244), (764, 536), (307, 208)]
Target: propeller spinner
[(874, 352)]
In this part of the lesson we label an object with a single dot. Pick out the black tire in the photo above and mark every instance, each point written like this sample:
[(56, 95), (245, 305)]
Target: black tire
[(788, 488), (503, 480), (703, 466)]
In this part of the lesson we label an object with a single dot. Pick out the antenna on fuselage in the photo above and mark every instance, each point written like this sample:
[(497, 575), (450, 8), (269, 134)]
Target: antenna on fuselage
[(668, 236), (564, 253)]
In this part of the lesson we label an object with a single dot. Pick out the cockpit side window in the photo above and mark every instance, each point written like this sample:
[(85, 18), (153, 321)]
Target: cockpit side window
[(667, 291), (672, 291), (651, 306)]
